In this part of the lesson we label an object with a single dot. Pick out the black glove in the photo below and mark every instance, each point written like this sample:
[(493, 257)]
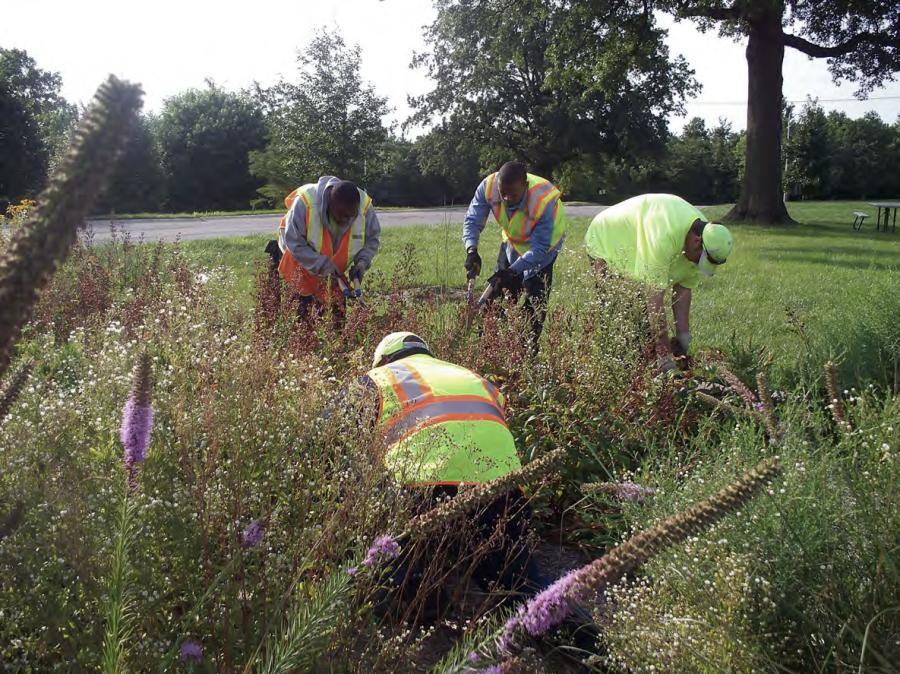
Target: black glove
[(356, 272), (473, 263), (505, 278)]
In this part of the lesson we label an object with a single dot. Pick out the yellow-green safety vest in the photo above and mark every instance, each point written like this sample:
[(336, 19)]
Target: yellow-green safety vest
[(442, 423), (315, 227), (541, 195)]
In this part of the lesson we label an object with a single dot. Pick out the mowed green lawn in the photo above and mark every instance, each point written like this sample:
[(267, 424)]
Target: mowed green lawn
[(796, 295)]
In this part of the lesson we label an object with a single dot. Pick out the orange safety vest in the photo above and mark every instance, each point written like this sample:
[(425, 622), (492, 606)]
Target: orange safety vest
[(541, 195), (318, 236)]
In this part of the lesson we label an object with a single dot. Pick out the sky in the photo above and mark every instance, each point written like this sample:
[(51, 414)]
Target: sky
[(169, 46)]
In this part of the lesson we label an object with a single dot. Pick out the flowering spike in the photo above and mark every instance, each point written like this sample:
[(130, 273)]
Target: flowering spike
[(716, 404), (190, 652), (253, 534), (384, 546), (736, 385), (482, 494), (836, 404), (36, 248), (13, 388), (137, 420), (768, 408), (624, 491), (557, 602)]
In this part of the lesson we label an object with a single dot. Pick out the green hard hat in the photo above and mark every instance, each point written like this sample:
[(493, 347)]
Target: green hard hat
[(717, 244), (395, 345)]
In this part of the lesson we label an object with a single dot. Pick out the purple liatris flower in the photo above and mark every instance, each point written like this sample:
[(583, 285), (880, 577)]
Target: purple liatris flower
[(253, 534), (540, 613), (137, 420), (384, 546), (629, 491), (190, 652)]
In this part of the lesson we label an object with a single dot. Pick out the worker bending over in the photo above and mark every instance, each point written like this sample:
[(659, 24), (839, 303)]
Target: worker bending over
[(326, 243), (532, 222), (665, 242), (445, 426)]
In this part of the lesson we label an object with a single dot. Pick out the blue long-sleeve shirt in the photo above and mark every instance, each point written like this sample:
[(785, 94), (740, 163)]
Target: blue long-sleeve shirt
[(540, 254)]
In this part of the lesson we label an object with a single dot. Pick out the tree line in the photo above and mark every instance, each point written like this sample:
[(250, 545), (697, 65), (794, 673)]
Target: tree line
[(580, 90)]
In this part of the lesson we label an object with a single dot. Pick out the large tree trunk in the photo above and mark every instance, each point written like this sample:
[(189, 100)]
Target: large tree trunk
[(761, 197)]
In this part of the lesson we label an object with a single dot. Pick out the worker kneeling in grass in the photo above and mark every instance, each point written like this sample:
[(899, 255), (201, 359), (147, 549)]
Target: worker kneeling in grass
[(664, 242), (444, 426), (326, 242)]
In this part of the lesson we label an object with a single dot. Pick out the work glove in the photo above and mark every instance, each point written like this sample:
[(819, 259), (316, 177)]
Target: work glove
[(356, 272), (505, 278), (473, 263)]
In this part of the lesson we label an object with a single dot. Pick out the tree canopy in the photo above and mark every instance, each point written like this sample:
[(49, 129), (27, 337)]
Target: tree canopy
[(326, 122), (860, 39), (205, 137), (551, 82), (34, 126)]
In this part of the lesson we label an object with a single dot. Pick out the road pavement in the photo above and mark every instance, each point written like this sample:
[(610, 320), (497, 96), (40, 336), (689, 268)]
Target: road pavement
[(168, 229)]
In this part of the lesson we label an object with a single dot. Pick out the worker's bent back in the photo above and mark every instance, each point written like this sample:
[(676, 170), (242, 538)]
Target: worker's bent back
[(442, 423)]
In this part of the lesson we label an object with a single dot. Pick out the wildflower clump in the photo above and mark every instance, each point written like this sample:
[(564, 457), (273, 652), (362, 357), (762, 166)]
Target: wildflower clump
[(558, 602)]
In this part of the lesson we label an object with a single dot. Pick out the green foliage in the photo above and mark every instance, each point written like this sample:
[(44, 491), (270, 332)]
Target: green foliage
[(23, 158), (550, 82), (39, 91), (701, 164), (833, 156), (118, 612), (796, 583), (138, 182), (328, 122), (35, 122), (204, 139), (313, 618)]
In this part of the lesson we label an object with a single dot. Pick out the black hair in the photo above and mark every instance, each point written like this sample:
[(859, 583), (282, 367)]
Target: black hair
[(345, 192), (697, 227), (512, 172)]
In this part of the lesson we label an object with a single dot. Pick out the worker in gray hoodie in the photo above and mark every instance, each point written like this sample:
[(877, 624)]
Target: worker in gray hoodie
[(326, 243)]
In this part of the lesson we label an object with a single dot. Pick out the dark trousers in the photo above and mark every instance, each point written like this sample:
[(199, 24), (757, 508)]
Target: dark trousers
[(537, 292), (490, 547)]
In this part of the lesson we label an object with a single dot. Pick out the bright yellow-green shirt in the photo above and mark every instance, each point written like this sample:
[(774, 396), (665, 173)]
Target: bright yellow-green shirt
[(643, 238)]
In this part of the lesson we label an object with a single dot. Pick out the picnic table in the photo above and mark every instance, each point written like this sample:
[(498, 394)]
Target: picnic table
[(887, 206)]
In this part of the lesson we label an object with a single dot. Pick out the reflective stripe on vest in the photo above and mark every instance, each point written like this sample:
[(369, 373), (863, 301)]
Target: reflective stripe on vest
[(315, 228), (541, 195), (435, 436), (439, 410)]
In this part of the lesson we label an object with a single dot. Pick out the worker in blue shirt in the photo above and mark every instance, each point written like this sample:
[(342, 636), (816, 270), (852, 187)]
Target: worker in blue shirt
[(532, 222)]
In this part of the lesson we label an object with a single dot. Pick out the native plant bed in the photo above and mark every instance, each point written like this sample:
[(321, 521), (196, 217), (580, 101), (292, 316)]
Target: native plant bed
[(251, 537)]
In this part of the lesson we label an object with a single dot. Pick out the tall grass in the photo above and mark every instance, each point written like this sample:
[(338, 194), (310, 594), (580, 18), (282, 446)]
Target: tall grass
[(263, 484)]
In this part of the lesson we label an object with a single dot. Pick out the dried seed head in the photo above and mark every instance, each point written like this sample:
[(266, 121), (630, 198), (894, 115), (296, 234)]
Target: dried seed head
[(36, 248)]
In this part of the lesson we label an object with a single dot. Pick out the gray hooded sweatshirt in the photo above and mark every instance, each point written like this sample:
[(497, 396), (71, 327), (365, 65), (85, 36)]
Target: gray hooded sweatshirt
[(302, 250)]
